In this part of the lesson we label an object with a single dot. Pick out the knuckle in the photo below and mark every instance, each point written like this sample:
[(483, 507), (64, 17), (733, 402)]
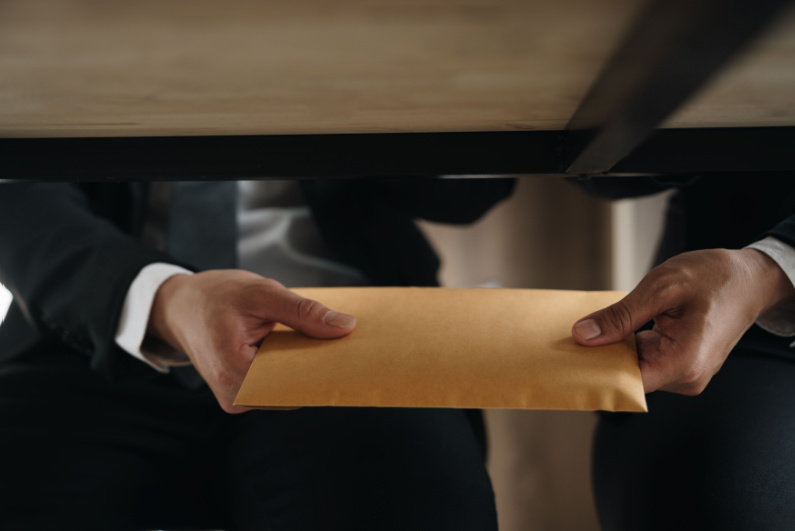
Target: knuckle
[(618, 316), (306, 307), (694, 389), (224, 379), (690, 377), (687, 275), (666, 288), (271, 284), (693, 381), (228, 407)]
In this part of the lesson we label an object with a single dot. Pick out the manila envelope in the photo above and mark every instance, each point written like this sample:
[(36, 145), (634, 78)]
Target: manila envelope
[(448, 348)]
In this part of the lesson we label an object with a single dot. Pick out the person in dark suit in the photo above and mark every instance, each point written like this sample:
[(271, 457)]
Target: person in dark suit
[(714, 323), (92, 437)]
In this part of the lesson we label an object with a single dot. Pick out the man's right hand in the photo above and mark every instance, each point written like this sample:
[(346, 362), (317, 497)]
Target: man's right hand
[(701, 302), (219, 318)]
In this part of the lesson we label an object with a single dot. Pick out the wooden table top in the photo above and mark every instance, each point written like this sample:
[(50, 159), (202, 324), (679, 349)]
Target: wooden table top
[(94, 68)]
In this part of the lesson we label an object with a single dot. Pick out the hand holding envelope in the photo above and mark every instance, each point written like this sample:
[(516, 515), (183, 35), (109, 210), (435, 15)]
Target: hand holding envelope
[(453, 348)]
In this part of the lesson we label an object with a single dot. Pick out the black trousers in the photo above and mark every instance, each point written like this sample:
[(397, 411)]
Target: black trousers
[(723, 460), (79, 452)]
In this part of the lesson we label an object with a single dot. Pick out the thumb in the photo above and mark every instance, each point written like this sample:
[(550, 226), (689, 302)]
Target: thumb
[(615, 322), (308, 316)]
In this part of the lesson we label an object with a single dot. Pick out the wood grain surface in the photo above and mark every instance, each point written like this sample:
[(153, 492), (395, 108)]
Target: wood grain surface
[(200, 67), (76, 68), (756, 90)]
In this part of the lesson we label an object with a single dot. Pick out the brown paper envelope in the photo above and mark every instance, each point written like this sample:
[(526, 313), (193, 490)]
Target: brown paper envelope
[(450, 348)]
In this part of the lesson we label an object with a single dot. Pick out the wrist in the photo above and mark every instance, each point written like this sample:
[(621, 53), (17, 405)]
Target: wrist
[(162, 318), (768, 280)]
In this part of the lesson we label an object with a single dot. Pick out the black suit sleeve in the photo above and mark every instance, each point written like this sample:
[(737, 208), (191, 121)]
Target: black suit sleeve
[(784, 231), (68, 268)]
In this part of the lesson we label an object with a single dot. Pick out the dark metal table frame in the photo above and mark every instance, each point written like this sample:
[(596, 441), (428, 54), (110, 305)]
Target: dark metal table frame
[(672, 49)]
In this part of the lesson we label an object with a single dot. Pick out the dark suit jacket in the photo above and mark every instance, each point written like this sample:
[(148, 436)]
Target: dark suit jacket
[(68, 252)]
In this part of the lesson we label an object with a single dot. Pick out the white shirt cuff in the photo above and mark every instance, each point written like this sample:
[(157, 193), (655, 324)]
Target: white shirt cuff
[(779, 321), (131, 331)]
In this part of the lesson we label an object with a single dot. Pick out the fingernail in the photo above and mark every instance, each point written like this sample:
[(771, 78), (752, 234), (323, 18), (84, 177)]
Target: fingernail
[(588, 329), (339, 320)]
